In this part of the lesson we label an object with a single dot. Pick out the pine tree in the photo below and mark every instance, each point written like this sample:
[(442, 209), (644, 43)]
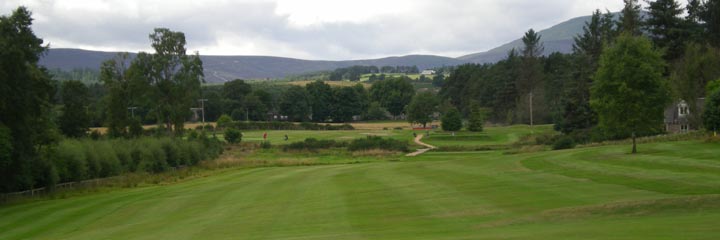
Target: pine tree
[(666, 27), (630, 19)]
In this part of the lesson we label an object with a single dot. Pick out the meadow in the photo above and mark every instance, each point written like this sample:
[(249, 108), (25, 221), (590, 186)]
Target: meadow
[(670, 190)]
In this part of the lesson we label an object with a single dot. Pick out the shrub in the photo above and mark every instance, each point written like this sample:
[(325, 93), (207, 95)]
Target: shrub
[(311, 144), (233, 135), (224, 121), (375, 142), (265, 145), (564, 142), (95, 135)]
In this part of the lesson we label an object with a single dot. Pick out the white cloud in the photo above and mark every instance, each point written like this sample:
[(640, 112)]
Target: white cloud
[(314, 29)]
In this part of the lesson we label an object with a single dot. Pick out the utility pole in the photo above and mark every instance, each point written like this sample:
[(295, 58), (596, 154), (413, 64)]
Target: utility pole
[(202, 106), (132, 111)]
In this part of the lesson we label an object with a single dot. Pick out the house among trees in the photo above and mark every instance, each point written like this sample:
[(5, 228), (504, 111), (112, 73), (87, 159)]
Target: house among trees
[(428, 72), (678, 118)]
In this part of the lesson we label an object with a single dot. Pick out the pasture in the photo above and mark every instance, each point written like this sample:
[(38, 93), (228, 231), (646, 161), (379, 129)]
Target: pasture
[(670, 190)]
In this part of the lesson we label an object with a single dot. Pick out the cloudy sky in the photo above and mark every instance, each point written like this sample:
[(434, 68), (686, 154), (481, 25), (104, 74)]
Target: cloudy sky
[(309, 29)]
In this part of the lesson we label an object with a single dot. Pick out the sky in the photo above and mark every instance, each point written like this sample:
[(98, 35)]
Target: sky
[(307, 29)]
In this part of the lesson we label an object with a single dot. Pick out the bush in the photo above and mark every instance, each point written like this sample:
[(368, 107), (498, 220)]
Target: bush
[(375, 142), (265, 145), (233, 135), (311, 144), (224, 121), (564, 142)]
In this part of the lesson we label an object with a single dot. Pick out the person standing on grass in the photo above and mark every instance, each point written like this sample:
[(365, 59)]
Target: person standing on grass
[(265, 136), (286, 137)]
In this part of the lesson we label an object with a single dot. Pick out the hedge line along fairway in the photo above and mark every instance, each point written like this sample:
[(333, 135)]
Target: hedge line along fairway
[(77, 160), (668, 191)]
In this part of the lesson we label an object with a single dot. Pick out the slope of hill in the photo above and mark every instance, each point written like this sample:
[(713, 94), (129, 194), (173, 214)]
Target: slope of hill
[(558, 38), (225, 68)]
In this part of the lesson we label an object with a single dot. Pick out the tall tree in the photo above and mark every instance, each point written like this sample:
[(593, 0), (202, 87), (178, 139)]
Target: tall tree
[(175, 77), (531, 75), (74, 121), (393, 94), (666, 27), (348, 104), (234, 93), (629, 93), (321, 100), (294, 103), (711, 116), (630, 21), (710, 15), (576, 112), (25, 96), (117, 84), (421, 108), (694, 9)]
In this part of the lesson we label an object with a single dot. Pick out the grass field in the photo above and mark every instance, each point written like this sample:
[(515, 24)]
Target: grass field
[(671, 190)]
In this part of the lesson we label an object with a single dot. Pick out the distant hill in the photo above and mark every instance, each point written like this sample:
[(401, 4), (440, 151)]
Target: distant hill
[(226, 68), (558, 38)]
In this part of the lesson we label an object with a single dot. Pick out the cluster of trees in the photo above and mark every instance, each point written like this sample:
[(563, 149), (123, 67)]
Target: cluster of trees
[(354, 73), (617, 81), (38, 111)]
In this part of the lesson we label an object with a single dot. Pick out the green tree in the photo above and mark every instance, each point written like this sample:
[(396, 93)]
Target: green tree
[(74, 121), (257, 111), (376, 112), (630, 21), (117, 82), (393, 94), (294, 104), (711, 116), (348, 104), (25, 96), (530, 83), (667, 28), (476, 120), (234, 93), (175, 78), (421, 108), (629, 93), (452, 120), (710, 16), (320, 96)]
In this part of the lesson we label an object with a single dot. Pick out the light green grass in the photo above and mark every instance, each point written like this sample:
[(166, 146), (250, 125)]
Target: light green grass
[(668, 191)]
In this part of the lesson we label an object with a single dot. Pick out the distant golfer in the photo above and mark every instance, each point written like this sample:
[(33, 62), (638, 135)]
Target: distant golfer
[(414, 134), (286, 137), (265, 136)]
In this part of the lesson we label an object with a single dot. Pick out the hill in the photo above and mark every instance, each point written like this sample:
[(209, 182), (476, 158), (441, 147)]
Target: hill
[(225, 68), (558, 38)]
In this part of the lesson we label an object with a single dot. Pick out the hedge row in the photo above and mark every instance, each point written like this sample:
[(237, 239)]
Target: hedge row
[(286, 126), (312, 144), (77, 160), (375, 142)]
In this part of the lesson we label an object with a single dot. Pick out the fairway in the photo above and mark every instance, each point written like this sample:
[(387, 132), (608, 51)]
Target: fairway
[(668, 191)]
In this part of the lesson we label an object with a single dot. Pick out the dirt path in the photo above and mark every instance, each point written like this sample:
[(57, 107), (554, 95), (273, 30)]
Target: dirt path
[(420, 151)]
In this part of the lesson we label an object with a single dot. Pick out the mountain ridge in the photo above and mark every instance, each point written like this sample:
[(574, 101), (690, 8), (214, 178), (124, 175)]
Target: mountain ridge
[(218, 68)]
